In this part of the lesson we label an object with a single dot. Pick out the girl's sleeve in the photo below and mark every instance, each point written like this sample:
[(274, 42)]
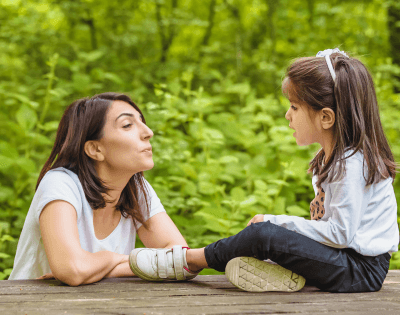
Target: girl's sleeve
[(347, 203)]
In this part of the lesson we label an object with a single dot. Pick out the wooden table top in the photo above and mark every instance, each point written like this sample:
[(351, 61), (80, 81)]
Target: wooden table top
[(202, 295)]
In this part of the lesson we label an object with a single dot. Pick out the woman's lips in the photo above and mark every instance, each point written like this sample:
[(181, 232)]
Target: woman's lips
[(148, 150)]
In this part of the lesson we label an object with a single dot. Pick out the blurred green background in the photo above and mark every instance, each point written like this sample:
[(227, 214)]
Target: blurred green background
[(207, 75)]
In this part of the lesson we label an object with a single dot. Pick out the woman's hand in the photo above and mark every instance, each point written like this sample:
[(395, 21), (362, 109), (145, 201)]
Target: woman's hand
[(257, 218), (47, 276)]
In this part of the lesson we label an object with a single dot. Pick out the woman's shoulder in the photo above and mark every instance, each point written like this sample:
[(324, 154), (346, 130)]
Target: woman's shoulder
[(58, 177), (59, 184)]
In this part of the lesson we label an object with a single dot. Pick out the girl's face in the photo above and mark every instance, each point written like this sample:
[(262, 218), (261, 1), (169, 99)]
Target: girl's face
[(305, 123), (125, 143)]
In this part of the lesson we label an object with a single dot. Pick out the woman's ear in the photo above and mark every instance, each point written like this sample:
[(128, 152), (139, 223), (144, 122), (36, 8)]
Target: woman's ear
[(93, 150), (327, 116)]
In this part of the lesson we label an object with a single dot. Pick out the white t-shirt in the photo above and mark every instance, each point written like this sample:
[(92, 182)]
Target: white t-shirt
[(62, 184), (356, 216)]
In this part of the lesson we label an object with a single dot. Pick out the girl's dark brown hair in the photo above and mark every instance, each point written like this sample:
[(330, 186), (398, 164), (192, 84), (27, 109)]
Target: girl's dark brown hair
[(83, 121), (357, 125)]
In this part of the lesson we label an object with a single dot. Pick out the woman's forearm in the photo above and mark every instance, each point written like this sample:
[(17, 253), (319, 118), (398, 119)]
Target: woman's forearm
[(121, 270), (95, 266)]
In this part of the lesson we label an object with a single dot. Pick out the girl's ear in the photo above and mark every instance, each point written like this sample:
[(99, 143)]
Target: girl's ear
[(93, 150), (327, 118)]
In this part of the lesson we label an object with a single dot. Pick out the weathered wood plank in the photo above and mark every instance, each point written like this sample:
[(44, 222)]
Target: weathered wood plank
[(203, 295)]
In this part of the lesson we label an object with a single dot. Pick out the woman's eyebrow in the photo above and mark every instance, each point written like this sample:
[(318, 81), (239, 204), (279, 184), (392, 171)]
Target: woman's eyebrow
[(130, 115), (125, 114)]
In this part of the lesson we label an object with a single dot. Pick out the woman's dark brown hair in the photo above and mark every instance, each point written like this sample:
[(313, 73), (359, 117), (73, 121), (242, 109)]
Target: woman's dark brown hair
[(83, 121), (357, 125)]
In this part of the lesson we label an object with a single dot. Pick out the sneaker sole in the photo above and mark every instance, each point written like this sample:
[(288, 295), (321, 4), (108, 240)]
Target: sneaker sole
[(254, 275)]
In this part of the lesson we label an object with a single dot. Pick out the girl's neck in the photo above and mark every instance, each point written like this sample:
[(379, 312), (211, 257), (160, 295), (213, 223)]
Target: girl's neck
[(327, 144)]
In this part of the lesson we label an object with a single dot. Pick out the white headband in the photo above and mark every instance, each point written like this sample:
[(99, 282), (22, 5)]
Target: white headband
[(326, 53)]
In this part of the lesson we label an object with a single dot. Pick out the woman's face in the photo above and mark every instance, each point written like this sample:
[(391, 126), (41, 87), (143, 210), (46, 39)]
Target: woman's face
[(125, 142)]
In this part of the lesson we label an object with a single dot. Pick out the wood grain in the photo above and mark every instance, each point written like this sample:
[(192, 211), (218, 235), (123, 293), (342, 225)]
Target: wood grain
[(203, 295)]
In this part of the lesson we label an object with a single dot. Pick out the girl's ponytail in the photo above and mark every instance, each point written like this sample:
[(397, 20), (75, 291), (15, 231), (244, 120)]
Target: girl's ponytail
[(358, 125)]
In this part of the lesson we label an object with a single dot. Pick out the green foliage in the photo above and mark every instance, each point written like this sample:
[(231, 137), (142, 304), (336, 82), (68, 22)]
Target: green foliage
[(207, 76)]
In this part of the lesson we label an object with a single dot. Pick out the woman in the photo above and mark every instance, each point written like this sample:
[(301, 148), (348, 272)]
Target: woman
[(91, 197)]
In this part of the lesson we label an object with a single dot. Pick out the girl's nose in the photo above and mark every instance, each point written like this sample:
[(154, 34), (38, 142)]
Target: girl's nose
[(287, 114)]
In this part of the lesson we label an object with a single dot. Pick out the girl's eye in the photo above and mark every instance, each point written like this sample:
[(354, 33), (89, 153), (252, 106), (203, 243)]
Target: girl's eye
[(127, 126), (293, 107)]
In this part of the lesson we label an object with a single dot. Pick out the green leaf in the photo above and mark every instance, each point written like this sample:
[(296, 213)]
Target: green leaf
[(190, 188), (297, 211), (239, 88), (7, 238), (260, 185), (49, 126), (91, 56), (6, 193), (39, 138), (248, 202), (279, 206), (5, 162), (8, 150), (229, 159), (113, 77), (207, 188), (26, 117), (238, 194), (189, 170), (27, 165), (264, 118)]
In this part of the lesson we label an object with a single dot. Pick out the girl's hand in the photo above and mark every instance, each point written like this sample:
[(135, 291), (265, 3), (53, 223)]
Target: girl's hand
[(47, 276), (257, 218)]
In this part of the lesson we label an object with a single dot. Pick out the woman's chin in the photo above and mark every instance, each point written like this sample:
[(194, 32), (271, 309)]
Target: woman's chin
[(149, 166)]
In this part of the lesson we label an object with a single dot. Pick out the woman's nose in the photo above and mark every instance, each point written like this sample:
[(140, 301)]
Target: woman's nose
[(147, 133)]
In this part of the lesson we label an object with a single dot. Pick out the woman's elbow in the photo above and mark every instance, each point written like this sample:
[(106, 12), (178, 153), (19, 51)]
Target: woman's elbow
[(69, 275)]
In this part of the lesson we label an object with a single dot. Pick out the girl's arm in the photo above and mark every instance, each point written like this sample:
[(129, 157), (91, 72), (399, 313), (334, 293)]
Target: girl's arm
[(68, 262), (160, 232), (349, 199)]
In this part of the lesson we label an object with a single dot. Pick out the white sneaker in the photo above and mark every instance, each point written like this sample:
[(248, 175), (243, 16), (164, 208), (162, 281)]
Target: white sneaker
[(251, 274), (159, 264)]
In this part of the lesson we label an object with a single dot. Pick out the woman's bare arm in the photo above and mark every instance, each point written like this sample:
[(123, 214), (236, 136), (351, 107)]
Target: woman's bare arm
[(160, 232), (121, 270), (68, 262)]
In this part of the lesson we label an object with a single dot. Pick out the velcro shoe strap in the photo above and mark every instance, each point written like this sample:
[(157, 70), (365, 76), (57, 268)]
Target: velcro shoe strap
[(162, 263), (178, 262)]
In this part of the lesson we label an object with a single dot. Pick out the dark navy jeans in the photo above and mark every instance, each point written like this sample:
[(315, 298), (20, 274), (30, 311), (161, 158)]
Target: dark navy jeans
[(330, 269)]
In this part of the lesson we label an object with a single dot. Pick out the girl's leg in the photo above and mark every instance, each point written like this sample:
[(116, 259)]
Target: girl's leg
[(196, 260), (330, 269)]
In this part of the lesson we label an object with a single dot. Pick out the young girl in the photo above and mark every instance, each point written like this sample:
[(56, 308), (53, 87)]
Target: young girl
[(347, 244), (91, 197)]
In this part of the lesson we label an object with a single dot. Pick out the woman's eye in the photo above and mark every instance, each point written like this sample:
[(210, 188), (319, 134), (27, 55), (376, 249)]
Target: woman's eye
[(127, 126), (293, 107)]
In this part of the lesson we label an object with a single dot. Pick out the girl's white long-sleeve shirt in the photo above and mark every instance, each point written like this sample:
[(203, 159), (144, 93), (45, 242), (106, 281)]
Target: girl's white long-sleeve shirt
[(356, 216)]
